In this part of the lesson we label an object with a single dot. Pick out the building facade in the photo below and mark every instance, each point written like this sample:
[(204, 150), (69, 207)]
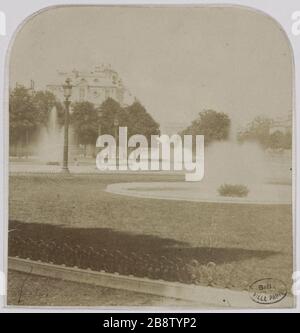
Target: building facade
[(95, 86)]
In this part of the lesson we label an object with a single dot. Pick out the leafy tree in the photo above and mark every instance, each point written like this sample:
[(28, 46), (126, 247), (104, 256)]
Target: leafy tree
[(257, 130), (288, 140), (139, 121), (44, 102), (85, 122), (280, 140), (213, 125), (22, 115), (276, 140), (108, 112)]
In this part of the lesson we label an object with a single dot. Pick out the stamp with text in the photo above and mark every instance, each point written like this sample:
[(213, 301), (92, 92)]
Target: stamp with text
[(267, 291)]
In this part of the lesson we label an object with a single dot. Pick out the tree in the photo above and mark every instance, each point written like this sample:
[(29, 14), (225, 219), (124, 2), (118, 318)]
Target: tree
[(109, 111), (288, 140), (22, 115), (44, 102), (280, 140), (85, 122), (134, 117), (257, 130), (213, 125), (139, 121)]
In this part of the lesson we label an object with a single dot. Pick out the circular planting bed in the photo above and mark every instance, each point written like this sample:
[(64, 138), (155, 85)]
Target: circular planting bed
[(203, 192)]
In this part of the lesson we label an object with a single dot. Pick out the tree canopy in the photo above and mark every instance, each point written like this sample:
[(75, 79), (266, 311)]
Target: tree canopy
[(29, 110), (44, 102), (108, 112), (135, 117), (22, 113), (85, 122), (259, 130), (215, 126), (139, 121)]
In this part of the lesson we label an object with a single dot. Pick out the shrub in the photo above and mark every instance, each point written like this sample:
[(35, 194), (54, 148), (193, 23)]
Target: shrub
[(229, 190)]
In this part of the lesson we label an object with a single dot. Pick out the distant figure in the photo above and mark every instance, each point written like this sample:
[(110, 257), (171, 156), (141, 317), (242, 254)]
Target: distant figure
[(76, 162)]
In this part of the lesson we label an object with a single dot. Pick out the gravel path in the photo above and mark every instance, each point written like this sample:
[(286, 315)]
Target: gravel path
[(31, 290)]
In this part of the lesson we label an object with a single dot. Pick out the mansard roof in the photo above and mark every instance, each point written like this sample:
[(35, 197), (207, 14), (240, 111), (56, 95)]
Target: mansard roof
[(101, 76)]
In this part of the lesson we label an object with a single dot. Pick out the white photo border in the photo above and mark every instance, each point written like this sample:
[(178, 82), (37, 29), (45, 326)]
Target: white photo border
[(15, 13)]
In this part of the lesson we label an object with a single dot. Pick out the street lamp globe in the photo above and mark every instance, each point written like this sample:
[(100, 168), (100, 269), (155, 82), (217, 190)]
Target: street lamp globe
[(67, 87)]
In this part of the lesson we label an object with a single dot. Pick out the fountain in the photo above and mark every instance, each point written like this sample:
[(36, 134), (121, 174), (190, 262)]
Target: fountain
[(225, 163), (50, 141)]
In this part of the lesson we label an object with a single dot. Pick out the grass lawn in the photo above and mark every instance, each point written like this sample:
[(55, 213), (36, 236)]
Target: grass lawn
[(245, 242)]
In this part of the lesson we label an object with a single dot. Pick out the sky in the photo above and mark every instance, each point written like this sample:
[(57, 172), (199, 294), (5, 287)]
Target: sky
[(177, 61)]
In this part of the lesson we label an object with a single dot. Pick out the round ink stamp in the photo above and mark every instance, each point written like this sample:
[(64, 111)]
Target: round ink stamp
[(267, 291)]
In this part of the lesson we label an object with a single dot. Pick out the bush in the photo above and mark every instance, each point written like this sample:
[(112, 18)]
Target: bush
[(229, 190)]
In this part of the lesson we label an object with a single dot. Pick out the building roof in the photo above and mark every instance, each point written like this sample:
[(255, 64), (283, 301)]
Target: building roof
[(101, 76)]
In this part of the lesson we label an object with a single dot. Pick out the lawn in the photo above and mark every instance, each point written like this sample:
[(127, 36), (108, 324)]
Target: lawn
[(242, 243)]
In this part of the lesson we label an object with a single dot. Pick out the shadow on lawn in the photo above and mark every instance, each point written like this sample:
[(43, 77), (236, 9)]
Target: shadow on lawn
[(126, 243)]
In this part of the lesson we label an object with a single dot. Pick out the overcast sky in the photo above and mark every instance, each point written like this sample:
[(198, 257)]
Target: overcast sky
[(176, 61)]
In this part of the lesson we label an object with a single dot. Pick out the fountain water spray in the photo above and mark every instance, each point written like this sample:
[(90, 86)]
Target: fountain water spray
[(50, 141)]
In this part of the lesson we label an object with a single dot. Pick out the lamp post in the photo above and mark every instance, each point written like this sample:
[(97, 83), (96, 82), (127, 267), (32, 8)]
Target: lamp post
[(100, 114), (116, 125), (67, 87)]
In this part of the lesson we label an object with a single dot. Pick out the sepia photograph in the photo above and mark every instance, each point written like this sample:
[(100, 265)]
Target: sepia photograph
[(150, 159)]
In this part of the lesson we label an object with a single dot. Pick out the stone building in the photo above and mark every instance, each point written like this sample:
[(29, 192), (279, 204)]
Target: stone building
[(95, 86)]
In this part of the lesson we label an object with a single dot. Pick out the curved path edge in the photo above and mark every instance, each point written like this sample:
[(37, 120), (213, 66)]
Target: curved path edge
[(124, 189)]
